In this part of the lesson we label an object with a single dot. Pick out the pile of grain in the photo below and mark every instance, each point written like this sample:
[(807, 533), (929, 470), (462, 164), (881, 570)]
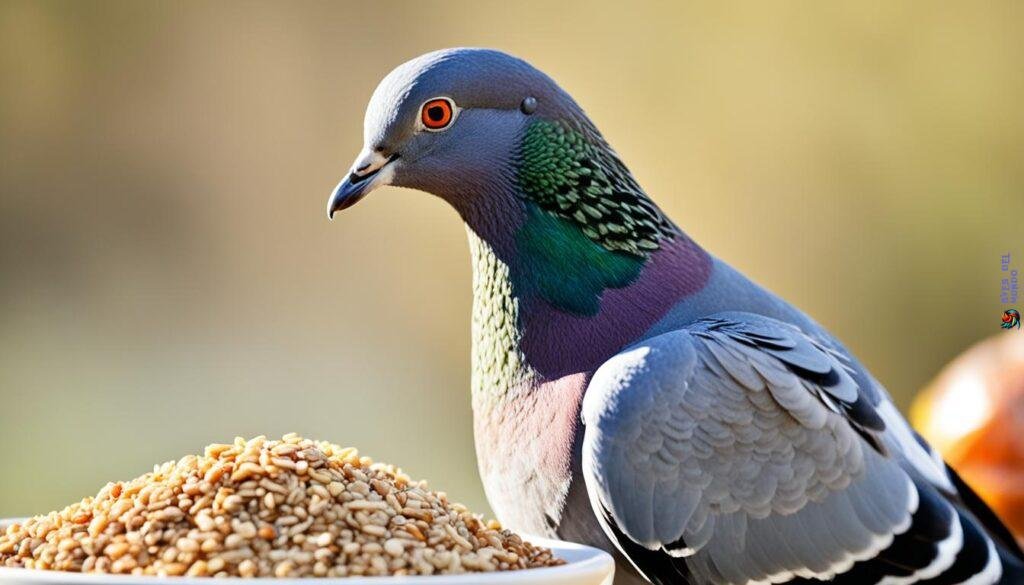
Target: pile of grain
[(259, 508)]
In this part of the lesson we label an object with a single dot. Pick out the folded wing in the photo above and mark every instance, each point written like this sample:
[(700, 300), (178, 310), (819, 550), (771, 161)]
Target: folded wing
[(740, 450)]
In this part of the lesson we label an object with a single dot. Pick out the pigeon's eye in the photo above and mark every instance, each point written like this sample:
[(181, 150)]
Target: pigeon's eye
[(437, 114)]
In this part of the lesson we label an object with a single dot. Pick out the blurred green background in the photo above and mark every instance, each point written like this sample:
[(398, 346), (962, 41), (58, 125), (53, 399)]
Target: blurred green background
[(169, 278)]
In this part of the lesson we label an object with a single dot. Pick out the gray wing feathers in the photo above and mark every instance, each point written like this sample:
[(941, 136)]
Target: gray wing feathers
[(821, 539), (727, 444)]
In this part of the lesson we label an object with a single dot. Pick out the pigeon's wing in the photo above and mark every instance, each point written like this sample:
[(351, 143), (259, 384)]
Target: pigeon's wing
[(739, 450)]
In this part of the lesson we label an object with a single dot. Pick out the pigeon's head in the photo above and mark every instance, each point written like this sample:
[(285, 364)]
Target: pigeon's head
[(449, 123)]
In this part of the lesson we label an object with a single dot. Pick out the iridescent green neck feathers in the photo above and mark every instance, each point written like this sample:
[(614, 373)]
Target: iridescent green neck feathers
[(589, 226), (574, 175)]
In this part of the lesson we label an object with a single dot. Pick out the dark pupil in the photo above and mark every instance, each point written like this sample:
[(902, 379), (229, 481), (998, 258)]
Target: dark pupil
[(435, 113)]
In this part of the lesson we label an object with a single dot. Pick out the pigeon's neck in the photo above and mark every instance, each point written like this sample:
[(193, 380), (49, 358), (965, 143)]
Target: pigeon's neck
[(572, 262), (551, 311)]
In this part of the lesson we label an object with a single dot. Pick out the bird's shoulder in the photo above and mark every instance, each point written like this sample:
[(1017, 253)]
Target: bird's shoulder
[(804, 373)]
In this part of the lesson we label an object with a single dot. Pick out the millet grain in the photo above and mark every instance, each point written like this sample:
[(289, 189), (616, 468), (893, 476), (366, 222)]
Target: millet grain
[(268, 508)]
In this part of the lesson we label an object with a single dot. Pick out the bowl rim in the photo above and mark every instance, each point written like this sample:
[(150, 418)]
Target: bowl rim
[(580, 559)]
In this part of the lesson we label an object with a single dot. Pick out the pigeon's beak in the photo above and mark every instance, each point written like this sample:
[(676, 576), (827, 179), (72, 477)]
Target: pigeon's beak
[(371, 170)]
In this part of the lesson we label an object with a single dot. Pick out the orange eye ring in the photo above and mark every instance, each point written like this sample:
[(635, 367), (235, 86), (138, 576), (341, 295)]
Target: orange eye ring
[(437, 114)]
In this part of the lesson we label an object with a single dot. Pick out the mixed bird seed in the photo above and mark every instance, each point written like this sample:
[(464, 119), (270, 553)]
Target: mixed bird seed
[(263, 508)]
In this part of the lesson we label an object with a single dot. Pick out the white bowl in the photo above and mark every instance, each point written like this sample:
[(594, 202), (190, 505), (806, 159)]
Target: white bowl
[(584, 566)]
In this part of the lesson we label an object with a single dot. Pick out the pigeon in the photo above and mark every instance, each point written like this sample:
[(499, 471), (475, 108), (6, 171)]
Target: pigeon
[(633, 392)]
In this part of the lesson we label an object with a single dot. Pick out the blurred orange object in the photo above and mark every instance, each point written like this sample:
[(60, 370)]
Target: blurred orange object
[(973, 413)]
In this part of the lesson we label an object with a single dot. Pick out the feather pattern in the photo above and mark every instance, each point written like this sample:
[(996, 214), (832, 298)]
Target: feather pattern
[(742, 451)]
